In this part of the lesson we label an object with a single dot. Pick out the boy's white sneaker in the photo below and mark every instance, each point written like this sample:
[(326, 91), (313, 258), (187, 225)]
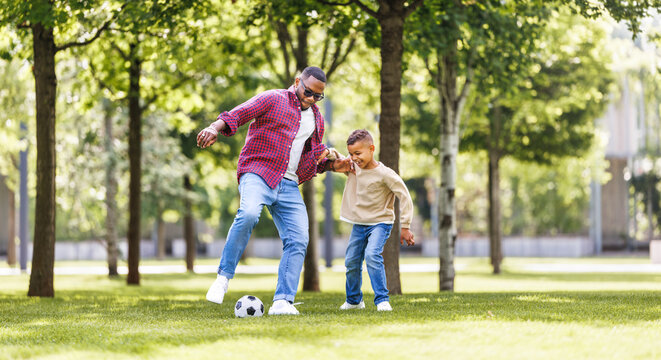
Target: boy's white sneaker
[(347, 306), (218, 289), (282, 307), (383, 306)]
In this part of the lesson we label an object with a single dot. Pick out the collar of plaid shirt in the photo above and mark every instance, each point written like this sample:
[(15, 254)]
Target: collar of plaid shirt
[(277, 117)]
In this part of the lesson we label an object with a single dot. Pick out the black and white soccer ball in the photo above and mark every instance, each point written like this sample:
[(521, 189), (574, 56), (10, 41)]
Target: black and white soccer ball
[(249, 306)]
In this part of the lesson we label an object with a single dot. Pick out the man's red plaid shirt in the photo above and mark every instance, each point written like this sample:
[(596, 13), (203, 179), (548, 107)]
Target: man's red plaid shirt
[(277, 115)]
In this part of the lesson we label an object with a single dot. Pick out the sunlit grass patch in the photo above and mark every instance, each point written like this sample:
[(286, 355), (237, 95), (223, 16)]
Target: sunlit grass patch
[(515, 315)]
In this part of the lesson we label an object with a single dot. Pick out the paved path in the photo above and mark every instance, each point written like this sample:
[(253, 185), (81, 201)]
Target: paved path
[(405, 268), (205, 269), (594, 268)]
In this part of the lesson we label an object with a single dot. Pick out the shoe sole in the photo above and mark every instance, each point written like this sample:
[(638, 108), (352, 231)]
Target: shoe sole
[(277, 314), (215, 302)]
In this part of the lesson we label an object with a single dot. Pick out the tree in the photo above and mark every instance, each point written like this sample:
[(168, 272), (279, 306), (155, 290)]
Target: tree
[(42, 17), (632, 12), (549, 113), (391, 15), (146, 32), (111, 188), (454, 89), (460, 41), (14, 111)]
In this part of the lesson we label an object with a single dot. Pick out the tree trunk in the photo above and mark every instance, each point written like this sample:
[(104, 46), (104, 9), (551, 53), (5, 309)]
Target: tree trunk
[(392, 30), (135, 153), (447, 214), (189, 226), (650, 213), (311, 273), (43, 255), (494, 153), (495, 233), (11, 245), (160, 235), (451, 106), (111, 191)]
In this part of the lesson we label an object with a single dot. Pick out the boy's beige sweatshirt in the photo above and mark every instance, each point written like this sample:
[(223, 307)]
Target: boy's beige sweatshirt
[(369, 197)]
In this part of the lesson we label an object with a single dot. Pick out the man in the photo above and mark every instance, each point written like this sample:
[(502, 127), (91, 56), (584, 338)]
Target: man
[(283, 149)]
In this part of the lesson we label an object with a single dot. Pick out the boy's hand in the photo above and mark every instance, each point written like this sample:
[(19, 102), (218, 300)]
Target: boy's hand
[(408, 236), (344, 165)]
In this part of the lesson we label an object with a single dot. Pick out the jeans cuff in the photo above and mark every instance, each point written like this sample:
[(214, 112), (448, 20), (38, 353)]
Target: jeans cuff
[(225, 274), (382, 300), (289, 298)]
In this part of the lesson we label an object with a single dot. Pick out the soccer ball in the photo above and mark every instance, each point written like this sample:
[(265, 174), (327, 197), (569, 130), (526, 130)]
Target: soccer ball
[(249, 306)]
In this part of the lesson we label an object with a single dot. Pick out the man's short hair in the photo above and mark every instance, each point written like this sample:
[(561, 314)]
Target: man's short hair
[(360, 135), (314, 71)]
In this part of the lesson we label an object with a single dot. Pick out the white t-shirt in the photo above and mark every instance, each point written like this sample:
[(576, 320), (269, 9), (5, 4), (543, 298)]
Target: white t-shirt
[(304, 132)]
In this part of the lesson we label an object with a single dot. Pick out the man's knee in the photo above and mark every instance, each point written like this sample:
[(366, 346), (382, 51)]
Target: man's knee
[(249, 215), (299, 243)]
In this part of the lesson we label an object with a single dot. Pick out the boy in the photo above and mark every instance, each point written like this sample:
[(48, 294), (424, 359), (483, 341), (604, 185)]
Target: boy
[(368, 203)]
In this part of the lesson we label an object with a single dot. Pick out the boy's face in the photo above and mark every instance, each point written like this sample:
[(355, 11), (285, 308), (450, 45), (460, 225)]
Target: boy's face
[(362, 153)]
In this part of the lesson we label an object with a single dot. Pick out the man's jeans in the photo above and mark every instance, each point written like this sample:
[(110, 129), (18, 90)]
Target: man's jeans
[(366, 242), (288, 211)]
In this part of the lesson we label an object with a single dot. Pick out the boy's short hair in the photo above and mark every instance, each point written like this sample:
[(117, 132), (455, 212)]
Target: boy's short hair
[(360, 135)]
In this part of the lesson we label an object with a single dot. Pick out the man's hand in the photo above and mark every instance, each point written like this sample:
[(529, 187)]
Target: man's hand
[(207, 137), (343, 165), (407, 236), (323, 155)]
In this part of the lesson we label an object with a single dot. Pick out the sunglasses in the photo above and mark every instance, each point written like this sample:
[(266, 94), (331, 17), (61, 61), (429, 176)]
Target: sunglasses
[(307, 93)]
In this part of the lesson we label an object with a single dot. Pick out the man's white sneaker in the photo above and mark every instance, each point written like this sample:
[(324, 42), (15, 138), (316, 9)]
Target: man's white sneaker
[(282, 307), (383, 306), (347, 306), (218, 289)]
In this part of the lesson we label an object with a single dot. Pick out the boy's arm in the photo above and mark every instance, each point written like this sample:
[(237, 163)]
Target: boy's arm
[(406, 235), (334, 161), (397, 186)]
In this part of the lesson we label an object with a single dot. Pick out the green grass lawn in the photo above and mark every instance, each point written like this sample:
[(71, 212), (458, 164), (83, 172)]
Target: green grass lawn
[(516, 315)]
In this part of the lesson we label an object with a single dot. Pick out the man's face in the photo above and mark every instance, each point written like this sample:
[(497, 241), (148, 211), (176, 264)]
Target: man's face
[(313, 87), (362, 153)]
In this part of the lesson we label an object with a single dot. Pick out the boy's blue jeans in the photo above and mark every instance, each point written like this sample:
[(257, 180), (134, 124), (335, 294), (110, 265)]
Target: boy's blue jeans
[(291, 219), (367, 242)]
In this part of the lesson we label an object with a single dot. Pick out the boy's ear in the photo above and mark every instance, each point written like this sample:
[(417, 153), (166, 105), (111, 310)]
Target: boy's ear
[(372, 147)]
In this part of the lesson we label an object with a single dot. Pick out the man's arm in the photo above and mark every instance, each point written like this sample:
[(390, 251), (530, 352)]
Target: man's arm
[(229, 121), (209, 135)]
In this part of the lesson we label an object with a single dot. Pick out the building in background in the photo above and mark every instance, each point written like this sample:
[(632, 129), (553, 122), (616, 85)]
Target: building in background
[(633, 127)]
